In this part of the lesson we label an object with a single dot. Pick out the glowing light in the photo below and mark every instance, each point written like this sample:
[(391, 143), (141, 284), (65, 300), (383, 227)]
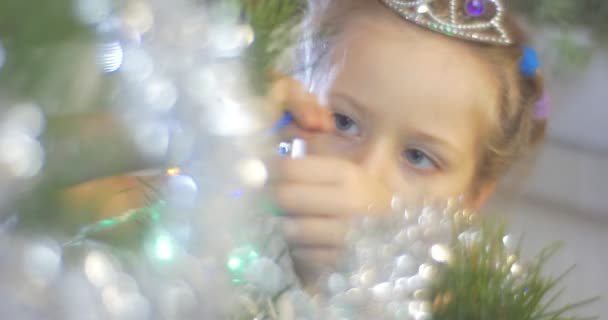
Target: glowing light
[(423, 8), (237, 193), (99, 269), (511, 259), (183, 191), (25, 117), (509, 242), (427, 272), (253, 255), (138, 16), (173, 171), (20, 154), (383, 291), (440, 253), (164, 248), (239, 260), (229, 41), (231, 118), (234, 263), (110, 56), (252, 172), (42, 263), (517, 269)]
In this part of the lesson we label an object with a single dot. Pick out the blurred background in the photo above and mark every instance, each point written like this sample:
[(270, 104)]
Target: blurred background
[(565, 197)]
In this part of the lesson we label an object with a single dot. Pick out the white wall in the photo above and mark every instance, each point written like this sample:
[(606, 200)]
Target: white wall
[(585, 244), (565, 198)]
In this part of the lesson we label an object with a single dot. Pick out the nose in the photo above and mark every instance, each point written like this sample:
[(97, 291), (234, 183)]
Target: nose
[(377, 159)]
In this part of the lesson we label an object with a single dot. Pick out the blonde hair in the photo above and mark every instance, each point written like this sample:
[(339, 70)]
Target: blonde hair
[(514, 132)]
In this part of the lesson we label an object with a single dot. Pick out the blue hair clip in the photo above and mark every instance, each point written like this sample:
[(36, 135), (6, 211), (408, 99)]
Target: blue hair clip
[(530, 63)]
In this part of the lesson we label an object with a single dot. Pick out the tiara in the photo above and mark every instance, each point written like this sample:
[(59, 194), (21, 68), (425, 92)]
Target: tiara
[(473, 20)]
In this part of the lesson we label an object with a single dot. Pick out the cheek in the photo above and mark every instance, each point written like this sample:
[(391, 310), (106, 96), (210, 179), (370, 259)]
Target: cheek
[(439, 186), (330, 144)]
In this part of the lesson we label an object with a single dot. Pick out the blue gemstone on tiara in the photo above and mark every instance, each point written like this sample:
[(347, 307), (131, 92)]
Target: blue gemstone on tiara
[(475, 8)]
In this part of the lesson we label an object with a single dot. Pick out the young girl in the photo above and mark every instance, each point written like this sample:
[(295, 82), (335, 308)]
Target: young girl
[(414, 111), (398, 105)]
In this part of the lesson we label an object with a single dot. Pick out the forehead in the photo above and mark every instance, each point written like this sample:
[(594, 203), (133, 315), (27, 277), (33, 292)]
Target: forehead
[(415, 75)]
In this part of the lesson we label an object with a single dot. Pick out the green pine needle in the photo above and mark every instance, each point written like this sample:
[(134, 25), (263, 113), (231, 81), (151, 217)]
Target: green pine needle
[(273, 22), (480, 284)]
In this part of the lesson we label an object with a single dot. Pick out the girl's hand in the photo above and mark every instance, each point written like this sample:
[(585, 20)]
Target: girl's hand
[(320, 197)]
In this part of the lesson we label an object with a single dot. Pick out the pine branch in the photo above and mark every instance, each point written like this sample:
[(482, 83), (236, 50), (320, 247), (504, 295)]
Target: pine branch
[(486, 281), (272, 22)]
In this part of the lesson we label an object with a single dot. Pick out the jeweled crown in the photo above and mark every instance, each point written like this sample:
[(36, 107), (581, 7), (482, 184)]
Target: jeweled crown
[(474, 20)]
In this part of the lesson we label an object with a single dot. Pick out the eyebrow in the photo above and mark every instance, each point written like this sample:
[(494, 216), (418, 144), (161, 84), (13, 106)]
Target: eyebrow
[(358, 106)]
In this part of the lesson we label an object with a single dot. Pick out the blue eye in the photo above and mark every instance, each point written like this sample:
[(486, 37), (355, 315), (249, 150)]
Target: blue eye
[(418, 159), (346, 125)]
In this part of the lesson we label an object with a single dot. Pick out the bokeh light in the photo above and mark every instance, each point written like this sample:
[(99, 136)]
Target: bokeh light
[(99, 268), (42, 262), (138, 16), (159, 95), (164, 248), (20, 154), (253, 172), (231, 40), (24, 117), (93, 11), (182, 190), (137, 65), (110, 56)]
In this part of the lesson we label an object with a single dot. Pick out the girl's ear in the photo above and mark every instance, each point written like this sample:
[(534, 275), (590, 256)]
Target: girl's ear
[(482, 195)]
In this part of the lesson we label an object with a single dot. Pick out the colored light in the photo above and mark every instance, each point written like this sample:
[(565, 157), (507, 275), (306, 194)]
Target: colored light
[(164, 248), (174, 171), (237, 193), (234, 263)]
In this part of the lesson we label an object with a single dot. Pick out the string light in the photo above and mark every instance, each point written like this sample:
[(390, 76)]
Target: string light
[(164, 248), (173, 171)]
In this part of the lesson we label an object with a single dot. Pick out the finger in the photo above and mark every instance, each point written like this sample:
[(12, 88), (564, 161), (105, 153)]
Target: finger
[(287, 95), (315, 169), (315, 232), (315, 200), (307, 112)]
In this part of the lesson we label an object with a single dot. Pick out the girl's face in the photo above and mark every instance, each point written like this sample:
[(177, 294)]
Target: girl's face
[(410, 106)]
